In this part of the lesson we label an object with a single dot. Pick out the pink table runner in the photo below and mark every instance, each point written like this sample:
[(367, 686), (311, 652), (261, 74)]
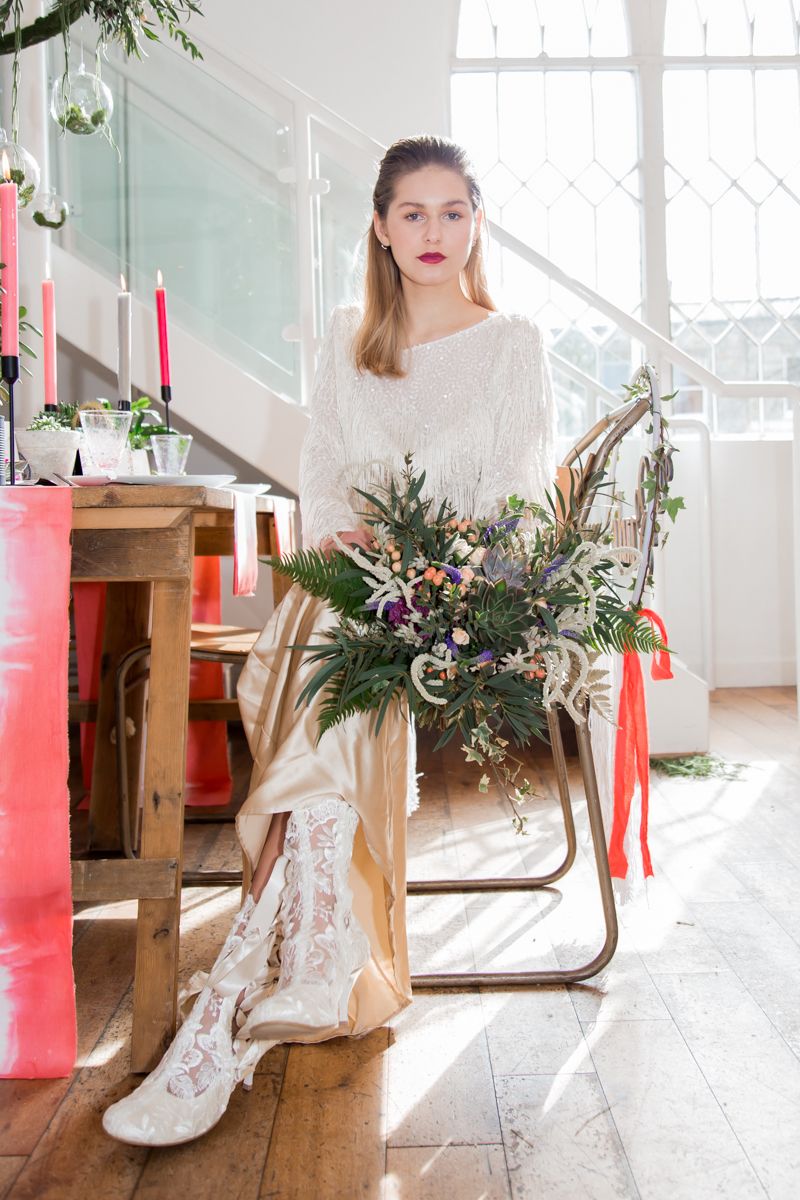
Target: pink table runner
[(37, 995)]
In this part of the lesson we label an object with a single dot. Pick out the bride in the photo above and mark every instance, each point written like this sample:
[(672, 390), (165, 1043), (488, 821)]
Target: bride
[(426, 364)]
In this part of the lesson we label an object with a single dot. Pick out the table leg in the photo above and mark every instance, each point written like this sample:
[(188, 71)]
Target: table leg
[(127, 623), (158, 930)]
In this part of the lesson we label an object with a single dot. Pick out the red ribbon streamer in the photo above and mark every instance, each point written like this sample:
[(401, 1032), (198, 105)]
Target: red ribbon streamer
[(632, 755)]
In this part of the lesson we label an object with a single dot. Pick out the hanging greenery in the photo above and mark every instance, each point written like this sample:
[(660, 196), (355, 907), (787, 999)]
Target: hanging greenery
[(121, 21)]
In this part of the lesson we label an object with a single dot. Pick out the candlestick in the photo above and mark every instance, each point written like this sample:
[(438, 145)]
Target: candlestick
[(9, 368), (8, 256), (124, 346), (163, 345), (49, 351)]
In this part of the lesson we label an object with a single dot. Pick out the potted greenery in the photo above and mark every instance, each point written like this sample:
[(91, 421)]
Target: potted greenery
[(50, 442)]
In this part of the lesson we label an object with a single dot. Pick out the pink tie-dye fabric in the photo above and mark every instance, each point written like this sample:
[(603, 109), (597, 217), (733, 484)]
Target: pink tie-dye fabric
[(37, 993)]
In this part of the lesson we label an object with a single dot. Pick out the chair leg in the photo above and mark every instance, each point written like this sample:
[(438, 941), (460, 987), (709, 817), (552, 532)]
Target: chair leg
[(189, 878), (532, 883)]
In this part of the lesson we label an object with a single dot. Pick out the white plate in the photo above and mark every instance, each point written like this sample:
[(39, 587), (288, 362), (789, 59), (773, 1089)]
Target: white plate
[(252, 489), (183, 480)]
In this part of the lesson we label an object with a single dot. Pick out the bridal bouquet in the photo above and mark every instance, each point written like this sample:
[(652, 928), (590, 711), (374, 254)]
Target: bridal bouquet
[(481, 625)]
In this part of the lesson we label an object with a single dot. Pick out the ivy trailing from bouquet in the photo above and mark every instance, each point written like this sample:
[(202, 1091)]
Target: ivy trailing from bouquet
[(483, 626)]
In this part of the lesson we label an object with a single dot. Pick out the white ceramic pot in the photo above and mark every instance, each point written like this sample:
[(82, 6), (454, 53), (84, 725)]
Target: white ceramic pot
[(49, 451)]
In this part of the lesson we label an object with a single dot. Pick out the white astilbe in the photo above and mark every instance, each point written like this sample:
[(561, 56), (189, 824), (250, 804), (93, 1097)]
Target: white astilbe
[(439, 663), (404, 633), (518, 660), (380, 531), (575, 619), (388, 586)]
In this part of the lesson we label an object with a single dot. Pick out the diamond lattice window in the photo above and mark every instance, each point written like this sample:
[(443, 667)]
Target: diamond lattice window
[(562, 149)]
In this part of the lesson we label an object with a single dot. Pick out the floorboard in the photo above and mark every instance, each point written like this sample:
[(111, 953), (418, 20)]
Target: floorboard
[(674, 1073)]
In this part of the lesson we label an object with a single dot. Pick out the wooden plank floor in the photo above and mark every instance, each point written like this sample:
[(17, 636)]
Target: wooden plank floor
[(673, 1074)]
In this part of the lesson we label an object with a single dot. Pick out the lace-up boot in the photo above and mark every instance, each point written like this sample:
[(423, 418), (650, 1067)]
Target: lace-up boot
[(323, 948), (189, 1090)]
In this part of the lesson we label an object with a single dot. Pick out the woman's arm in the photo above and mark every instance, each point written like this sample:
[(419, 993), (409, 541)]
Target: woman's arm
[(524, 456), (324, 500)]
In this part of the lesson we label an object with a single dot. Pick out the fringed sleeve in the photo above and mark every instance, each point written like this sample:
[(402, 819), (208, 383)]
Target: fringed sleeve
[(524, 458), (324, 495)]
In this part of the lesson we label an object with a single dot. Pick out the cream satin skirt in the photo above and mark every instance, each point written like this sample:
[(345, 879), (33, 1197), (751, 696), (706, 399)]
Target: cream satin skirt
[(377, 776)]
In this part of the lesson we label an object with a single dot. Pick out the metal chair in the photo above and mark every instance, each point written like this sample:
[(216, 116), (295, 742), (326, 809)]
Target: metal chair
[(228, 645), (639, 531)]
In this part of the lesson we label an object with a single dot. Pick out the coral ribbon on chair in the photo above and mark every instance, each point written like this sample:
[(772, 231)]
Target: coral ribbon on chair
[(632, 755)]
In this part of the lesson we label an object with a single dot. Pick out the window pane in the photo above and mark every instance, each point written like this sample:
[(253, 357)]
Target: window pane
[(475, 35), (732, 215), (774, 27), (683, 33), (519, 34), (474, 120), (728, 27)]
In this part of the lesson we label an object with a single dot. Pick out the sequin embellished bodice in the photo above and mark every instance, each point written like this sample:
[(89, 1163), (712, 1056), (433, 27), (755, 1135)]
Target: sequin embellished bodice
[(475, 408)]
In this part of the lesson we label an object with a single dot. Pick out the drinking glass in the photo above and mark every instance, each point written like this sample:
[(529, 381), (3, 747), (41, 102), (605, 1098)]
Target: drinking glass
[(106, 433), (170, 452)]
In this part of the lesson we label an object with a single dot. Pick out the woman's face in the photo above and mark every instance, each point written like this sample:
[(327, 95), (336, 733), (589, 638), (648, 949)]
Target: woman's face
[(430, 225)]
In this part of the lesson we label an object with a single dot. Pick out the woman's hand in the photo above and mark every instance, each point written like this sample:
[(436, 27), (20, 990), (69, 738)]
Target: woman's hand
[(361, 537)]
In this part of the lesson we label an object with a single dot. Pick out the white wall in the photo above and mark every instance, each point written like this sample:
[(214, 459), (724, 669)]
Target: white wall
[(383, 67), (751, 562)]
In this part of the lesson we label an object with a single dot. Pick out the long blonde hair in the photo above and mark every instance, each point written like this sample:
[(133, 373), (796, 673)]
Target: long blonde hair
[(378, 341)]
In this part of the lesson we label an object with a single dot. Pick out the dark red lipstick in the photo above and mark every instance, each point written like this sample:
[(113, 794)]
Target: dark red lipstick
[(432, 258)]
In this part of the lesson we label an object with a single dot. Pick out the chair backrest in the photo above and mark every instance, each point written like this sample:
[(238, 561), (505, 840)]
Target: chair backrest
[(641, 530)]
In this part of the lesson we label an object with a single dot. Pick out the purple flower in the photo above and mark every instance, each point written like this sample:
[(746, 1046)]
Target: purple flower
[(397, 612), (372, 604), (507, 525), (570, 634), (485, 656), (453, 573), (554, 565), (451, 645)]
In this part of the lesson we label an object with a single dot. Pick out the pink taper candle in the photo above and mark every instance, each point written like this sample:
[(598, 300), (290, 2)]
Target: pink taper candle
[(9, 279), (163, 341), (49, 335)]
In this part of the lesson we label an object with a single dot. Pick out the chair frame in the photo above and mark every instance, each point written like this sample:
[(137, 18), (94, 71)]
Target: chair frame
[(614, 425)]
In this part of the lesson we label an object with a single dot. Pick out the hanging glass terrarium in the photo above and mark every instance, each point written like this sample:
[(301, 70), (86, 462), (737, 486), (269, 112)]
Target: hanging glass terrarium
[(23, 168), (50, 211), (81, 103)]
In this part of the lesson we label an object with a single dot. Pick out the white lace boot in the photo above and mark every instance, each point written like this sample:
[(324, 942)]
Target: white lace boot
[(189, 1090), (323, 948)]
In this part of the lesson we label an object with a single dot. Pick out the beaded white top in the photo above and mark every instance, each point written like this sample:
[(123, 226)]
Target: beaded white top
[(476, 409)]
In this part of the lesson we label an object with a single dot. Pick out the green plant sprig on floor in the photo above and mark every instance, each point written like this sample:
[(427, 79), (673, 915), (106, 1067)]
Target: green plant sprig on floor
[(698, 766)]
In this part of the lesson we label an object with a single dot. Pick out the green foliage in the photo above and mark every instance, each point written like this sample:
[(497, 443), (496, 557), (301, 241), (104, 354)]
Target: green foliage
[(120, 21), (332, 578), (698, 766), (141, 430)]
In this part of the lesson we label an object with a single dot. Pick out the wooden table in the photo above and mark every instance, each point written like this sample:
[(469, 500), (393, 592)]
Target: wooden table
[(141, 541)]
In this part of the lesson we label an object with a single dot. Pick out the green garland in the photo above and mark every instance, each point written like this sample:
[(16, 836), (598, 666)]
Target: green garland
[(120, 22)]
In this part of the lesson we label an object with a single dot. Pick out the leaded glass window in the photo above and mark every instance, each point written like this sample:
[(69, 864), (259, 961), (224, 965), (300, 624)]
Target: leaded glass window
[(576, 165)]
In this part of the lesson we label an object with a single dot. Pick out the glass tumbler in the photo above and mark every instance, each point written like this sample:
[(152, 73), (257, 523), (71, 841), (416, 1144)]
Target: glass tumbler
[(106, 434), (170, 452)]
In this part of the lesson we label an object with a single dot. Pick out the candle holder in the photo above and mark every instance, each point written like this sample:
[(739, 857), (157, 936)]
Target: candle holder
[(166, 396), (9, 367)]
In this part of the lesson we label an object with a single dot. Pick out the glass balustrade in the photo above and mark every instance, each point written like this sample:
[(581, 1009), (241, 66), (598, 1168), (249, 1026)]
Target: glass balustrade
[(205, 193)]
